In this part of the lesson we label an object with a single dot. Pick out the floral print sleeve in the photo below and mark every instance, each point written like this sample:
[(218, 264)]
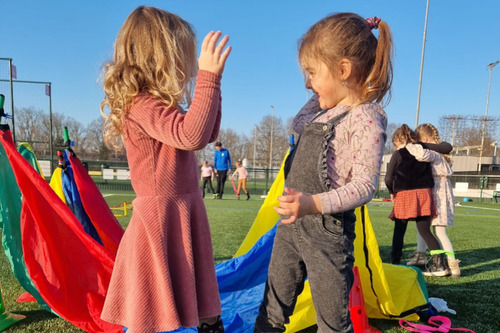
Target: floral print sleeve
[(421, 154), (354, 157)]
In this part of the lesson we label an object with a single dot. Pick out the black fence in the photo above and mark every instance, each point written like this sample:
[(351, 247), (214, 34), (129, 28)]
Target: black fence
[(482, 187)]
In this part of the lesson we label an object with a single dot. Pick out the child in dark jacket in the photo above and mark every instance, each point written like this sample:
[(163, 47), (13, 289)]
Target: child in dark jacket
[(410, 183)]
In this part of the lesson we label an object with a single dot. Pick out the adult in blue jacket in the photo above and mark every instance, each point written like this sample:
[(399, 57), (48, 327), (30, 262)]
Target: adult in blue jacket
[(222, 167)]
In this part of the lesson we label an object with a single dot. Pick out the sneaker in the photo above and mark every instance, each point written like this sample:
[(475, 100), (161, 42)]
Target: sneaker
[(455, 270), (438, 267), (418, 259)]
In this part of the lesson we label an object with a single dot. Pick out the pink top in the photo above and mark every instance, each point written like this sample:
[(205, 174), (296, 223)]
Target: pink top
[(354, 155), (242, 172), (164, 274), (206, 171)]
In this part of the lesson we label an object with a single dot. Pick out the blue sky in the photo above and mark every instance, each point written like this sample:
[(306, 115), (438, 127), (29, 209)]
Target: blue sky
[(66, 43)]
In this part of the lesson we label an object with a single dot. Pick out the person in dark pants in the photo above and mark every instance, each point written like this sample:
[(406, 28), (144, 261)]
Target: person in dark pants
[(222, 167), (207, 176)]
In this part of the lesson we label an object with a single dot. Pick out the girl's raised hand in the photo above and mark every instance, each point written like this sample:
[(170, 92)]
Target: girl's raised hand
[(213, 55)]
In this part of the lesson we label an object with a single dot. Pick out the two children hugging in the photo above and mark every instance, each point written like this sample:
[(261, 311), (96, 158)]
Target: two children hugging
[(410, 182)]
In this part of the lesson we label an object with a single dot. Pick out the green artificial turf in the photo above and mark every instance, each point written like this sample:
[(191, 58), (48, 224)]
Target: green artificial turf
[(475, 238)]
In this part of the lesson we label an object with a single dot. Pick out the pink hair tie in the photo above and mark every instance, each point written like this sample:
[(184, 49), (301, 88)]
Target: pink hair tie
[(373, 22)]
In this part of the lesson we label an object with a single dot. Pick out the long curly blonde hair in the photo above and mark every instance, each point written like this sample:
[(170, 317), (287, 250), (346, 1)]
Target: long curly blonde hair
[(154, 53)]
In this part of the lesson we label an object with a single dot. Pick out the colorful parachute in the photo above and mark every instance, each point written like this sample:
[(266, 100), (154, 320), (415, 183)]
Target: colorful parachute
[(69, 270)]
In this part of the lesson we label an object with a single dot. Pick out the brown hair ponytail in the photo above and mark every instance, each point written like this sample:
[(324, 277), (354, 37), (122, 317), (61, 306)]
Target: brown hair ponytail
[(379, 80)]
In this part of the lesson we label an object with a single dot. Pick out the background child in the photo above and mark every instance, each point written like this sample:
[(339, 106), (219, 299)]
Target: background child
[(442, 192), (164, 274), (207, 176), (347, 68), (410, 183), (242, 179)]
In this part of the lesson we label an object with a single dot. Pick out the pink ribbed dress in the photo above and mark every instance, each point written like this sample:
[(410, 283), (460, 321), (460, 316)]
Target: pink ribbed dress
[(164, 274)]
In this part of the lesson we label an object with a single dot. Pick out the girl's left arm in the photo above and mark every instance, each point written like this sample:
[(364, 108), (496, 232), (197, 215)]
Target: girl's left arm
[(365, 140), (365, 144), (421, 154)]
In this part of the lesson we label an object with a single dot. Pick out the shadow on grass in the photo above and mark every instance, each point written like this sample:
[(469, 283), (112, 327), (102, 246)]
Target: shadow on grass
[(222, 259), (34, 316)]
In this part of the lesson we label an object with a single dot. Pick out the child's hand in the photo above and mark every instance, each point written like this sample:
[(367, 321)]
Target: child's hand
[(213, 56), (297, 204)]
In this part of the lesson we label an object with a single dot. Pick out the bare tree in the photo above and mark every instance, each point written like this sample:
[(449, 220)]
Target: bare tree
[(28, 124), (280, 141), (95, 140), (78, 135), (234, 142), (465, 133), (389, 146), (206, 154)]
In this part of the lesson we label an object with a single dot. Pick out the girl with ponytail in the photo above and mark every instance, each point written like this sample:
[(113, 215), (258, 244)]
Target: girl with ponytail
[(335, 168)]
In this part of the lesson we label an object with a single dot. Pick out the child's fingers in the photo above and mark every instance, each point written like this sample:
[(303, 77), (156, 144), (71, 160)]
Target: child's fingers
[(213, 41), (291, 218), (214, 53), (206, 40), (225, 54), (290, 191), (286, 199), (221, 45)]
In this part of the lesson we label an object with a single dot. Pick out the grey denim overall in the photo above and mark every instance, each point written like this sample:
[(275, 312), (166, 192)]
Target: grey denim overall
[(319, 247)]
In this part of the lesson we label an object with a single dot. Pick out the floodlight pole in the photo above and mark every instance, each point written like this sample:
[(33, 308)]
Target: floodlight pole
[(422, 63), (490, 69), (271, 147)]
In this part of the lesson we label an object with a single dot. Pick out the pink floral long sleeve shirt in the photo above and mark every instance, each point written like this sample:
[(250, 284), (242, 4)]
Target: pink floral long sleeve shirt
[(354, 154)]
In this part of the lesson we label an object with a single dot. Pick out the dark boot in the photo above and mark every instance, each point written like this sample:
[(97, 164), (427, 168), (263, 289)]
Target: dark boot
[(396, 257), (218, 327), (438, 267), (248, 195)]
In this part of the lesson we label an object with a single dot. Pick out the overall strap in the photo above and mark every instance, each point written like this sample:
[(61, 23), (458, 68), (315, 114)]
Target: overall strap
[(330, 123)]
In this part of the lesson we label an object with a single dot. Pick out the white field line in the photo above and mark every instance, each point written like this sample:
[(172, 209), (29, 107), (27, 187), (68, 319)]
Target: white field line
[(495, 209)]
